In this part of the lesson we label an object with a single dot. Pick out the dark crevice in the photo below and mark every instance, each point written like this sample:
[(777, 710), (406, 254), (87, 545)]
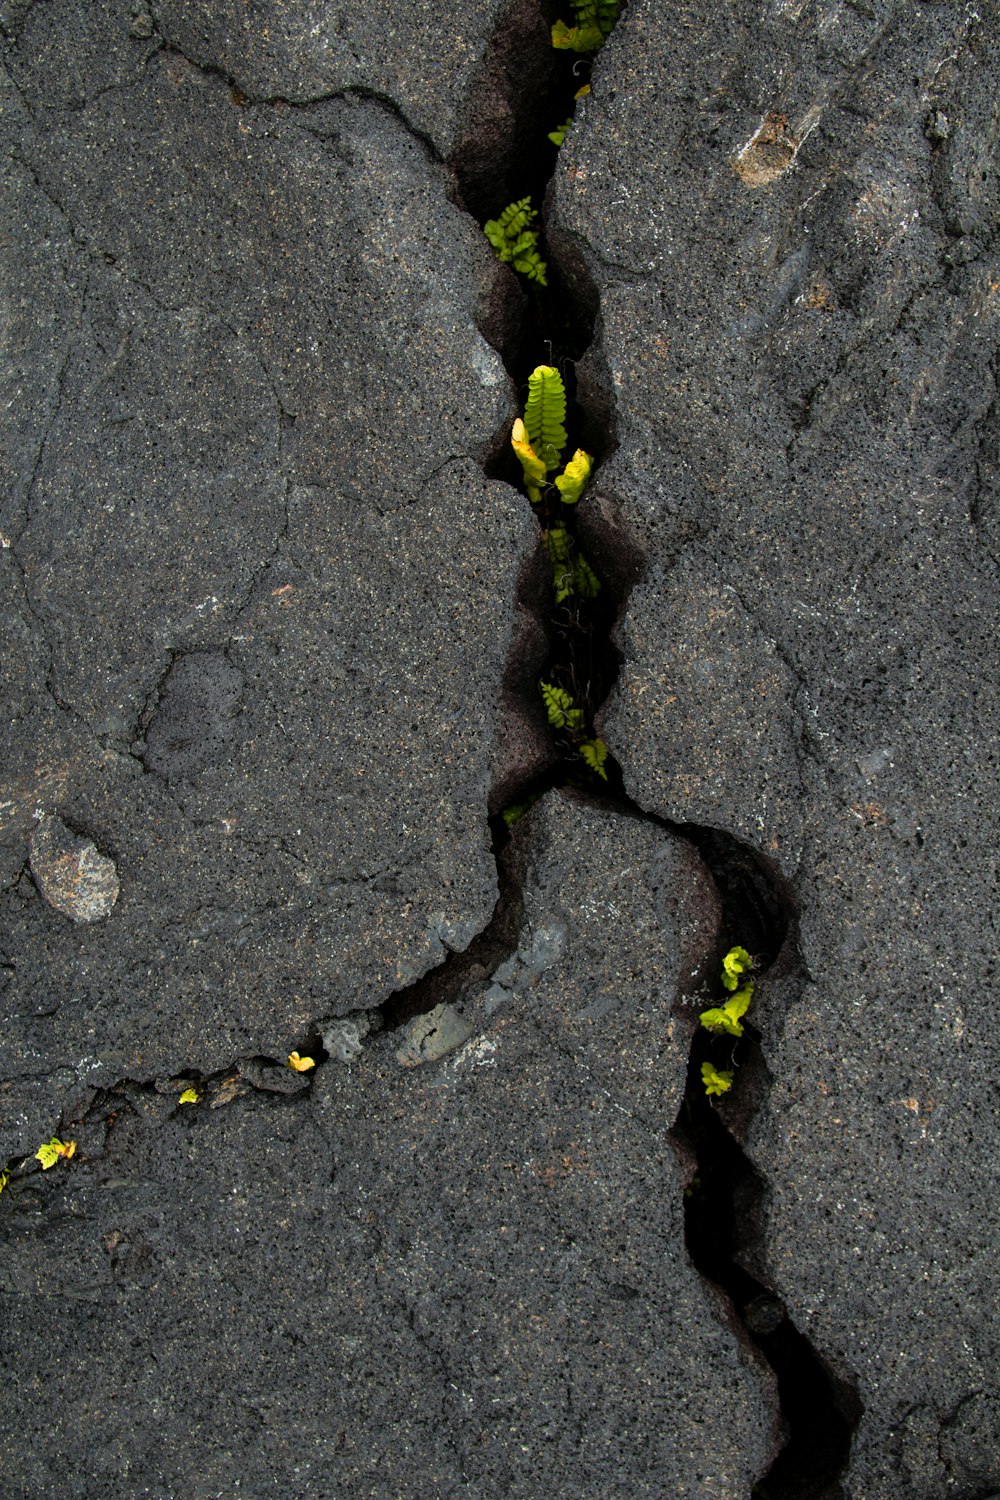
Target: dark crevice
[(724, 1203), (725, 1197)]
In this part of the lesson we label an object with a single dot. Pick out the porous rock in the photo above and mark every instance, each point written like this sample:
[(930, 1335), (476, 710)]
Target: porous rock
[(796, 268), (71, 873), (485, 1294), (259, 591)]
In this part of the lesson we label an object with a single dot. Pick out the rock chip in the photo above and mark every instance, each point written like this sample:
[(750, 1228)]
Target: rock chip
[(71, 873)]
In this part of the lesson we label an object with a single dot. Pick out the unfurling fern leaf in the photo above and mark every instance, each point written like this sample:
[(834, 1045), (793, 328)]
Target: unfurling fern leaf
[(595, 753), (573, 479), (515, 240), (716, 1082), (736, 963), (545, 414), (562, 711), (594, 21), (533, 468)]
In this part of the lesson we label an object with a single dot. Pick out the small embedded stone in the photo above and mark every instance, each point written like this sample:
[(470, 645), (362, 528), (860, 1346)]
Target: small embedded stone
[(71, 873)]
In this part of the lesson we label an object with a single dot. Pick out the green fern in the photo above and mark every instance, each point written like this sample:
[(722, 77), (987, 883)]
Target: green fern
[(585, 581), (572, 482), (562, 711), (716, 1082), (545, 415), (516, 811), (558, 135), (728, 1017), (559, 545), (594, 22), (595, 753), (736, 963), (515, 240)]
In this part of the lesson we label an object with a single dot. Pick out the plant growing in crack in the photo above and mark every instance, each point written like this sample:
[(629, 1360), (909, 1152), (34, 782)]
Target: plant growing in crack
[(727, 1019), (594, 20), (49, 1152), (539, 439), (558, 135), (515, 239)]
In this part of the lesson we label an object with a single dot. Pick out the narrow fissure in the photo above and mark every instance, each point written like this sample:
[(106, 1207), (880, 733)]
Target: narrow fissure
[(725, 1196), (553, 325)]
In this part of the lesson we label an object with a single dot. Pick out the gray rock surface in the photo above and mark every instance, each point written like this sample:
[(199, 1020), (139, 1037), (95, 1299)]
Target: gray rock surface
[(791, 219), (258, 592), (270, 653), (486, 1294)]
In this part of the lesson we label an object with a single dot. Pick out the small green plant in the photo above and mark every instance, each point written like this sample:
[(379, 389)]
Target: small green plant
[(594, 21), (516, 811), (562, 711), (189, 1096), (49, 1152), (736, 963), (714, 1081), (515, 239), (558, 135), (565, 715), (727, 1019), (4, 1179), (595, 753), (300, 1064), (539, 440)]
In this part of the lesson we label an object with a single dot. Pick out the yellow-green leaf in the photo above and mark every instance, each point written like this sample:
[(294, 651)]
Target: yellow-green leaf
[(545, 414), (585, 580), (300, 1064), (533, 468), (715, 1082), (573, 479), (49, 1152), (4, 1179), (189, 1096), (736, 962)]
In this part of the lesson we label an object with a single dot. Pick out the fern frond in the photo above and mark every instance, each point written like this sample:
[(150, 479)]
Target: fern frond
[(559, 545), (572, 482), (531, 465), (530, 264), (716, 1082), (515, 240), (595, 753), (585, 581), (594, 22), (545, 414), (516, 811), (562, 711), (736, 963)]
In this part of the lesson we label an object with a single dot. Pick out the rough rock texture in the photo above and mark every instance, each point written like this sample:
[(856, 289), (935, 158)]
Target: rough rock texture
[(486, 1295), (790, 214), (259, 601), (258, 591)]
